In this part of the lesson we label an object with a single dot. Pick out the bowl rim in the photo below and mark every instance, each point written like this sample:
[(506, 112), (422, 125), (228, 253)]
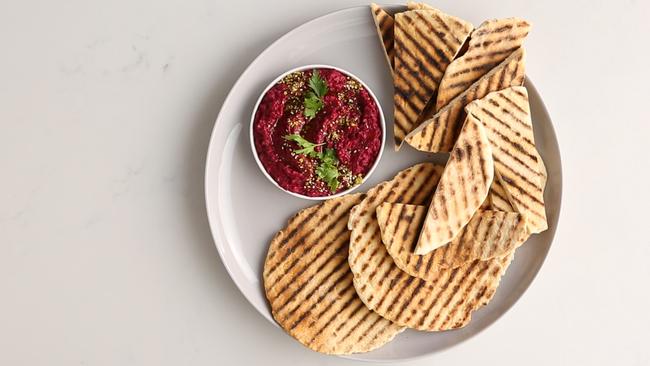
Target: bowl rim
[(382, 122)]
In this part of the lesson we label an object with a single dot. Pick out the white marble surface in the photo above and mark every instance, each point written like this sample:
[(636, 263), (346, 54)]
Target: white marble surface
[(105, 253)]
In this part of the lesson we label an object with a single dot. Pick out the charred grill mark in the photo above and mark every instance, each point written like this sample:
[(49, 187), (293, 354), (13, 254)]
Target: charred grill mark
[(453, 292), (333, 317), (413, 190), (438, 64), (290, 299), (435, 298), (480, 68), (395, 299), (400, 216), (351, 316), (458, 42), (409, 301), (374, 271), (519, 202), (432, 62), (481, 158), (385, 23), (465, 295), (387, 324), (336, 252), (356, 325), (400, 276), (501, 29), (519, 92), (316, 303), (306, 220), (492, 54), (440, 36), (509, 127), (429, 262), (407, 96), (349, 289), (535, 185), (533, 170), (415, 69), (301, 240), (502, 79), (411, 181), (516, 106)]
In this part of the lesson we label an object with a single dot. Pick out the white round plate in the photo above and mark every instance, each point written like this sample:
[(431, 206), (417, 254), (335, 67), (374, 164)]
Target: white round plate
[(245, 210)]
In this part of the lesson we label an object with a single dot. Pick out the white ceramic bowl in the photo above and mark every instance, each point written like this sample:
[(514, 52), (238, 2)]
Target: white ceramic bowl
[(382, 122)]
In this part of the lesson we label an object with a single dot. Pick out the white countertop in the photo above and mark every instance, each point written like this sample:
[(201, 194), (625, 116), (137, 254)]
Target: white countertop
[(106, 256)]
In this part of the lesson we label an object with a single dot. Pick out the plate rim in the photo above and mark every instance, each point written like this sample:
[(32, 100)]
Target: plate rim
[(218, 245)]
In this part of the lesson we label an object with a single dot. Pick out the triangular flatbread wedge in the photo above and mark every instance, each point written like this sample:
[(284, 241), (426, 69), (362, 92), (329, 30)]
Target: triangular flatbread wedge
[(506, 117), (444, 303), (426, 41), (492, 42), (464, 185), (488, 234), (384, 23), (438, 133), (309, 286)]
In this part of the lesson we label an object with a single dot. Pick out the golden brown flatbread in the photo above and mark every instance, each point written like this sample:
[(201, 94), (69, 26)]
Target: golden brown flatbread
[(491, 43), (439, 132), (446, 302), (426, 41), (308, 283), (505, 114), (464, 185), (489, 234)]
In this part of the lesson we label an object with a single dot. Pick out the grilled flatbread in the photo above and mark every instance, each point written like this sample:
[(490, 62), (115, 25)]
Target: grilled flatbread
[(412, 5), (443, 303), (308, 283), (490, 43), (464, 185), (489, 234), (506, 117), (426, 41), (384, 23), (438, 133)]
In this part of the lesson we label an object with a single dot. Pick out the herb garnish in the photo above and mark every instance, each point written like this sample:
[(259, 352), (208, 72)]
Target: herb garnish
[(314, 99), (327, 169)]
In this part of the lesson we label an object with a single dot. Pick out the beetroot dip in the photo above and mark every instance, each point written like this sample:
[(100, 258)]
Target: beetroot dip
[(347, 123)]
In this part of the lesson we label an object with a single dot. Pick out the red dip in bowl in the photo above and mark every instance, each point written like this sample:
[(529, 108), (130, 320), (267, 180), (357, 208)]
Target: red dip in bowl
[(317, 132)]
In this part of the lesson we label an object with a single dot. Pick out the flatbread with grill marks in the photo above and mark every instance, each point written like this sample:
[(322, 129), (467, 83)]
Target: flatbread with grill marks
[(464, 185), (439, 132), (426, 41), (505, 114), (308, 283), (489, 234), (492, 42), (446, 302)]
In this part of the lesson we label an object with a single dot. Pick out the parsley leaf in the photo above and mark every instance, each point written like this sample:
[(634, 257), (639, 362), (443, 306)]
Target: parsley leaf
[(312, 105), (308, 148), (317, 84), (328, 168), (314, 100)]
